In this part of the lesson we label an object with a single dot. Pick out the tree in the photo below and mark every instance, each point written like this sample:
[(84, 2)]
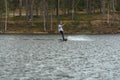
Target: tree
[(20, 8), (44, 8), (37, 6), (6, 15), (117, 5), (113, 5), (73, 8), (31, 11), (27, 11), (57, 7), (13, 5), (88, 6)]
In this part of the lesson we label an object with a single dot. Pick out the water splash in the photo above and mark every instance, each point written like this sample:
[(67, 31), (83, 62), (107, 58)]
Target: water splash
[(79, 38)]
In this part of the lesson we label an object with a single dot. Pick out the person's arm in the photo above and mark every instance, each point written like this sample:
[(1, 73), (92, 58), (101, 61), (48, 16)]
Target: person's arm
[(63, 24)]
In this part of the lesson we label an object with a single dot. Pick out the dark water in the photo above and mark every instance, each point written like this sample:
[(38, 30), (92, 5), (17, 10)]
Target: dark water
[(45, 57)]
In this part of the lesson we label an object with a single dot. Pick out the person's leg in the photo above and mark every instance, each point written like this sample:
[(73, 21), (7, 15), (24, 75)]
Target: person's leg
[(62, 35)]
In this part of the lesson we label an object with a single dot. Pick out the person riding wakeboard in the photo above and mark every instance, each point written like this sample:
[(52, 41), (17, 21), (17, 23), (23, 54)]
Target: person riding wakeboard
[(60, 29)]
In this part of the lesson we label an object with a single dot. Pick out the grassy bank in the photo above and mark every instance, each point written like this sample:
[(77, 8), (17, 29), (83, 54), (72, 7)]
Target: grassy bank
[(82, 24)]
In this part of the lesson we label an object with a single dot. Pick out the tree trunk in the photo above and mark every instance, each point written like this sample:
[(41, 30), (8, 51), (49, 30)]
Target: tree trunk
[(88, 6), (57, 7), (113, 5), (44, 14), (108, 15), (6, 15), (27, 10), (51, 20), (103, 6), (73, 9), (20, 8), (31, 12)]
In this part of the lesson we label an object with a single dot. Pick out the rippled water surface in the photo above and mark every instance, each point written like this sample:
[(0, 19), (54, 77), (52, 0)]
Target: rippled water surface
[(46, 57)]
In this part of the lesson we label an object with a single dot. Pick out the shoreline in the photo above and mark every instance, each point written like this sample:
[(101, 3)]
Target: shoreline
[(57, 33)]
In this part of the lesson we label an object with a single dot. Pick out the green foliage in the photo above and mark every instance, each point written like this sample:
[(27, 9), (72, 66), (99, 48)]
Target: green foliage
[(13, 4), (2, 7), (118, 5)]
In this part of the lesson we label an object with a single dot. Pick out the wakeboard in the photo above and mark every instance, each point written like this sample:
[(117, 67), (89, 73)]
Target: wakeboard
[(63, 40)]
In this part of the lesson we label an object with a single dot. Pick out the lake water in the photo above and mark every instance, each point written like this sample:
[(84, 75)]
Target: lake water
[(46, 57)]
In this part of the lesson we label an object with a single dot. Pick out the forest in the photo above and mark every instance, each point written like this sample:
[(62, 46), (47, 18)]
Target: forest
[(43, 16)]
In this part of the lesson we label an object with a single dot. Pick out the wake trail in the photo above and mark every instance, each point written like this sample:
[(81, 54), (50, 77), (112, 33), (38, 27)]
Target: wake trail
[(79, 38)]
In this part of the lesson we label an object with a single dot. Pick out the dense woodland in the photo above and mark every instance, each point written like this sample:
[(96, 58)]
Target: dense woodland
[(46, 14)]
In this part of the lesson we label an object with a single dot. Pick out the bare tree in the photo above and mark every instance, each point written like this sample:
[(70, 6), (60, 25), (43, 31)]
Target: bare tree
[(103, 6), (20, 8), (6, 15), (31, 12), (44, 8), (27, 10), (57, 7), (113, 5), (73, 8), (88, 6)]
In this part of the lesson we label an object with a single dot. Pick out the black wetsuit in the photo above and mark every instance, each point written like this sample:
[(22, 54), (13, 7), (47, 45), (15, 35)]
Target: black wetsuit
[(62, 35)]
